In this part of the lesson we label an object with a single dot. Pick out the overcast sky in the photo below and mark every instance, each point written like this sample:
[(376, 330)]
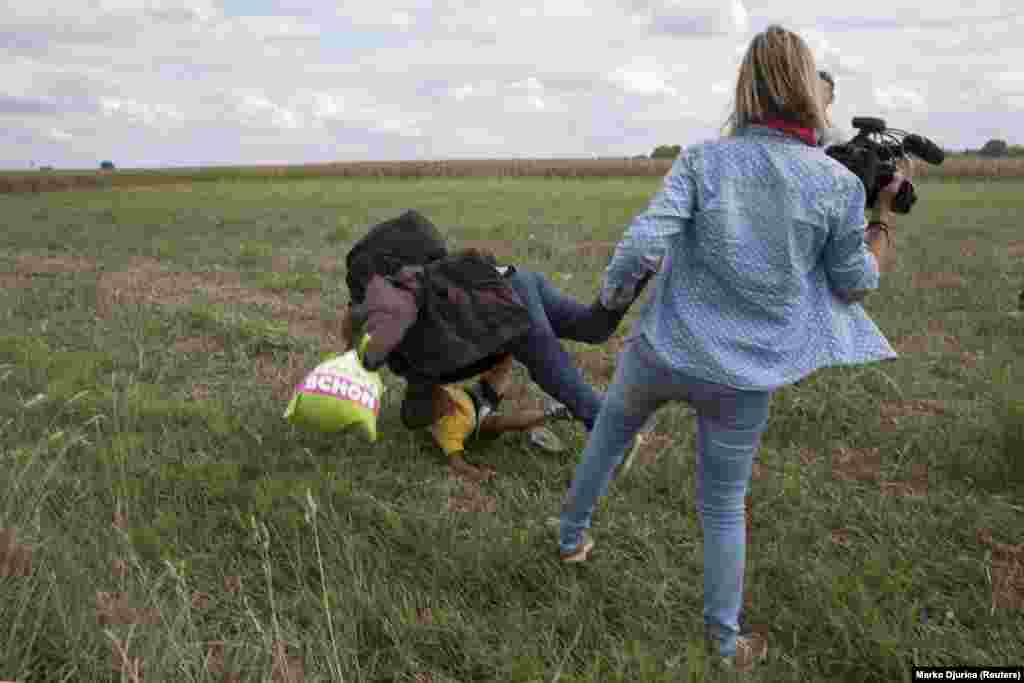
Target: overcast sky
[(150, 83)]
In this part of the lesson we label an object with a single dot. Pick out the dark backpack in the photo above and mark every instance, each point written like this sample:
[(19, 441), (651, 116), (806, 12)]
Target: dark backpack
[(469, 316), (407, 240)]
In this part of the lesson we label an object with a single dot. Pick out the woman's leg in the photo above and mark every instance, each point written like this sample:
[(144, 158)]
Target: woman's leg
[(730, 425), (638, 389)]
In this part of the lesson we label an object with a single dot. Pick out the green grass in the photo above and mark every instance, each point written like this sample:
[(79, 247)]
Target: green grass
[(340, 545)]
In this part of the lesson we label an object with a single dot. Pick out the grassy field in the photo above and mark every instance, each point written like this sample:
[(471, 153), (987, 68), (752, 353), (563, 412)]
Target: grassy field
[(170, 522)]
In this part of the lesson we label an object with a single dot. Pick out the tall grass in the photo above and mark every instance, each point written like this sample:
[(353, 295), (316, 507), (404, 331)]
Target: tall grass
[(178, 523)]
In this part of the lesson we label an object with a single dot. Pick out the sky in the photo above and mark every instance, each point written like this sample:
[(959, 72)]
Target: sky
[(165, 83)]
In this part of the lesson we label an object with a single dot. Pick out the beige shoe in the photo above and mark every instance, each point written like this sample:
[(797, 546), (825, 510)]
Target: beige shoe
[(581, 552), (751, 647)]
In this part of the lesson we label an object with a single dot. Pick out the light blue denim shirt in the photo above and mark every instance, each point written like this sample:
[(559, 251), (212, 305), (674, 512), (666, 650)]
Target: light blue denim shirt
[(762, 239)]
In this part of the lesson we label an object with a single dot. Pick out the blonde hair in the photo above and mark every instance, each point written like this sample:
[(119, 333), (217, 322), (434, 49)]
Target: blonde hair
[(778, 78)]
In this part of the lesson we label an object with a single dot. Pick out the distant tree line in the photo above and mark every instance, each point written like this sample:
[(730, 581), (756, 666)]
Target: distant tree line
[(997, 148), (992, 149)]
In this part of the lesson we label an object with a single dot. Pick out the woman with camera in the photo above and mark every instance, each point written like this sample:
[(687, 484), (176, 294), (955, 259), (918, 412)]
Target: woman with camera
[(765, 258)]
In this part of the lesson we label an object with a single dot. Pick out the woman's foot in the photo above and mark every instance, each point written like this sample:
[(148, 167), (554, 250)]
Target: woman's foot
[(751, 648), (581, 552)]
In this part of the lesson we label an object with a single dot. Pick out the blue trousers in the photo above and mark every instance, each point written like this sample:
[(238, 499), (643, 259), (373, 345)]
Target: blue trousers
[(553, 317), (730, 423)]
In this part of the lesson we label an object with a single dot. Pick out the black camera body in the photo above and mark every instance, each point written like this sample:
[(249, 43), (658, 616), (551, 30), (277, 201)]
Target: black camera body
[(872, 155)]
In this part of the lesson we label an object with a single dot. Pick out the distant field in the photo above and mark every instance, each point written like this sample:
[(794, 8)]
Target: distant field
[(168, 520), (42, 181)]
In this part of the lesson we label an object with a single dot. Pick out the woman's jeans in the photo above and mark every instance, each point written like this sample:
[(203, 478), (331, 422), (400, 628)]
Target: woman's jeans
[(554, 316), (730, 423)]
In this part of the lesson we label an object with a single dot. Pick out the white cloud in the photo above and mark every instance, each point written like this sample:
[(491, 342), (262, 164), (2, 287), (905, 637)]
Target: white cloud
[(1010, 82), (642, 82), (899, 99), (150, 114), (257, 110), (462, 92), (685, 17), (405, 77)]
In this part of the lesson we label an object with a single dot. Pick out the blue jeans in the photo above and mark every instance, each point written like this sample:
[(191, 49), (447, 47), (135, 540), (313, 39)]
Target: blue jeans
[(730, 423), (554, 316)]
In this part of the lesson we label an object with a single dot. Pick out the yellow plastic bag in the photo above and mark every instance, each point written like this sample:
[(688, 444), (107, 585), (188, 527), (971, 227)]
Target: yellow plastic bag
[(338, 394)]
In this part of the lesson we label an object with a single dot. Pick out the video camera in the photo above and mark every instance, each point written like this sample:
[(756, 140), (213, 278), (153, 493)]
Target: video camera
[(872, 155)]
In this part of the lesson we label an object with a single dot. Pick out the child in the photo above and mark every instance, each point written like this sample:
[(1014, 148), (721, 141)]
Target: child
[(459, 414)]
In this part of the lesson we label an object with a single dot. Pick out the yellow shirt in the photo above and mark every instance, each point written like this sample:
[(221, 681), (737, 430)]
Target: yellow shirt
[(451, 431)]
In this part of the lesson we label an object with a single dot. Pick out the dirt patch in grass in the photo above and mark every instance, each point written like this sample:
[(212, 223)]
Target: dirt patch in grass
[(968, 359), (15, 281), (502, 249), (1015, 249), (15, 557), (288, 667), (281, 376), (913, 408), (856, 464), (147, 281), (808, 456), (840, 537), (597, 364), (652, 445), (922, 343), (131, 668), (50, 265), (471, 499), (603, 250), (1007, 572), (280, 264), (200, 392), (937, 281), (329, 264), (915, 487), (113, 608), (969, 248), (199, 345)]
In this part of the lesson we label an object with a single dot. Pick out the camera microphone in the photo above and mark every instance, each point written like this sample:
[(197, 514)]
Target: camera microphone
[(923, 148)]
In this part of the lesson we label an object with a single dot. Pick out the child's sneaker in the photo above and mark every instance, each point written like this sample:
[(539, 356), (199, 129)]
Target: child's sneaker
[(555, 411), (581, 552)]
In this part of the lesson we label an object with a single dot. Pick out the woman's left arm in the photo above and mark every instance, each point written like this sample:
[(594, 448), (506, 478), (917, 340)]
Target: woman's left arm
[(644, 243)]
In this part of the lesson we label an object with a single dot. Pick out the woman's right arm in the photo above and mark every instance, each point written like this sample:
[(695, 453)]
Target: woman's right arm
[(640, 251)]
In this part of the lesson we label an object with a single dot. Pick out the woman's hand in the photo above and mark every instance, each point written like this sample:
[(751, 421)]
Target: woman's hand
[(886, 195)]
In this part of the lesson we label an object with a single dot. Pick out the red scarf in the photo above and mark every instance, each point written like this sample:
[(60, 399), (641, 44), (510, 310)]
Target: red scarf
[(808, 135)]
